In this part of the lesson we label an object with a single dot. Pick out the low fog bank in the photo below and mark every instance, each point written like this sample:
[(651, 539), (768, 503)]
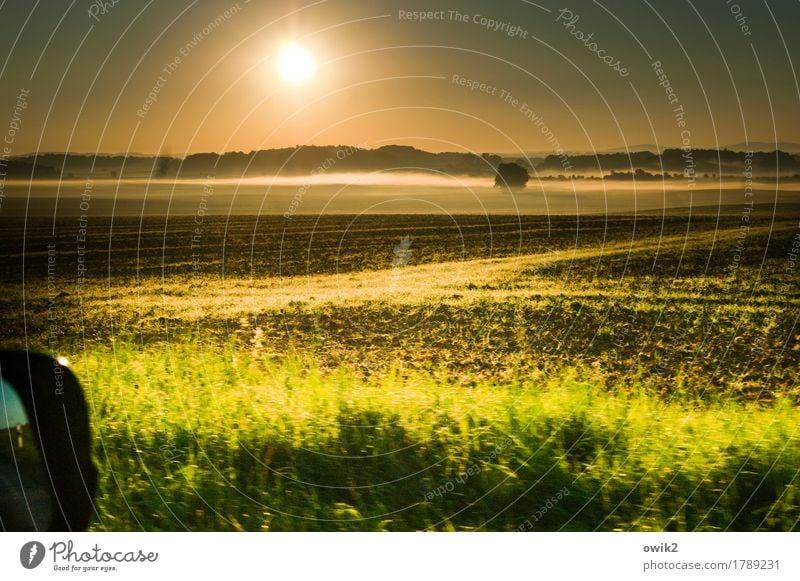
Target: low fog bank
[(372, 193)]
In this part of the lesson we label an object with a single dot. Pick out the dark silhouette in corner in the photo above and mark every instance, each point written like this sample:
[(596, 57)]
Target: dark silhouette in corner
[(59, 419)]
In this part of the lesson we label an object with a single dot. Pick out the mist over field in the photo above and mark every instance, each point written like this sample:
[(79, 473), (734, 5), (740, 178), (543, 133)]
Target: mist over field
[(373, 193)]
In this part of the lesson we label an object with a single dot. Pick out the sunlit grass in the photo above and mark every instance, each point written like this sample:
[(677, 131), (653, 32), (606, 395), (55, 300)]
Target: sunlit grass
[(225, 440)]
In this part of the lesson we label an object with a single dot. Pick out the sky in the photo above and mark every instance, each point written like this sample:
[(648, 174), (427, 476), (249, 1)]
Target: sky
[(177, 77)]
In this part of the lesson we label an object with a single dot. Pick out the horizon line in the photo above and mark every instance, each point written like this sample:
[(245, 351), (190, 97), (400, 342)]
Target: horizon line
[(639, 148)]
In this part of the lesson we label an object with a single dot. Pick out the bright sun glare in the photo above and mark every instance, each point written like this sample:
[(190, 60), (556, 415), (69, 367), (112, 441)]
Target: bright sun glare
[(295, 64)]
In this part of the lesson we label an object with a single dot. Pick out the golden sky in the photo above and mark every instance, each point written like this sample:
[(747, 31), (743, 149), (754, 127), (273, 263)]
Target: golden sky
[(189, 76)]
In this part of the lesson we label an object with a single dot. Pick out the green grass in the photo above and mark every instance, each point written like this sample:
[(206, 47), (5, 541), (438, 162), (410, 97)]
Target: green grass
[(207, 440)]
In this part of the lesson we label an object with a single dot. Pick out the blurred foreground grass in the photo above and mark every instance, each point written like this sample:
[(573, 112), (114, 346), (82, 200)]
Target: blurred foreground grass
[(225, 440)]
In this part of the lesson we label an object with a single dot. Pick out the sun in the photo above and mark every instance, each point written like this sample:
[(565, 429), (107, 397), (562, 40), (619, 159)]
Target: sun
[(295, 64)]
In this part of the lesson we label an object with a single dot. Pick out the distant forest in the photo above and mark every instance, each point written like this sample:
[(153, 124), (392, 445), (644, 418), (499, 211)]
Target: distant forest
[(305, 160)]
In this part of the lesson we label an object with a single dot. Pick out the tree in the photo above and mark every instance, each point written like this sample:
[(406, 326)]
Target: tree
[(511, 175), (492, 159), (163, 166)]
